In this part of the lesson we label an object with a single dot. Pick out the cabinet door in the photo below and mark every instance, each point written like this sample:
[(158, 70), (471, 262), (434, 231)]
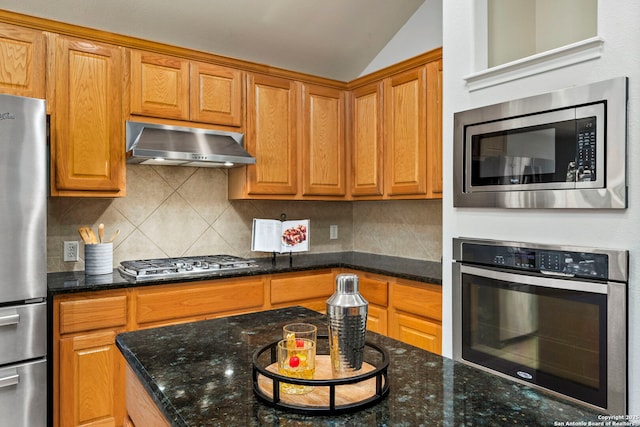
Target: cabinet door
[(434, 129), (87, 134), (22, 61), (92, 384), (323, 148), (159, 85), (415, 314), (216, 94), (367, 141), (377, 319), (406, 133), (271, 135), (418, 331)]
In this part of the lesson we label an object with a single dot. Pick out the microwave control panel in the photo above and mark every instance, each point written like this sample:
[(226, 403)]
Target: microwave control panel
[(575, 264), (586, 149)]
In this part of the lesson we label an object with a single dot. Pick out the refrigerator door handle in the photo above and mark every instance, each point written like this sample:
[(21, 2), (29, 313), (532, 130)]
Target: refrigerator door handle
[(9, 319), (10, 379)]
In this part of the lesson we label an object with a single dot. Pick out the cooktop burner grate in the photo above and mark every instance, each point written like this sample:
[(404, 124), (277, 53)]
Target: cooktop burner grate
[(183, 266)]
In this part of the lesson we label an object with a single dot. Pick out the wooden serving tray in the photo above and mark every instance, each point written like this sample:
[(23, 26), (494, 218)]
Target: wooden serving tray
[(347, 394)]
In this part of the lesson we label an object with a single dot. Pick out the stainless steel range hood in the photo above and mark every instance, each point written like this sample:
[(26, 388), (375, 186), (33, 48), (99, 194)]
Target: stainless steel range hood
[(157, 144)]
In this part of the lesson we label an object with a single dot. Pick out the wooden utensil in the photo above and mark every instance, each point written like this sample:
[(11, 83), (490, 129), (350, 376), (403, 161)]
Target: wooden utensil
[(92, 236), (84, 235), (114, 235), (101, 232)]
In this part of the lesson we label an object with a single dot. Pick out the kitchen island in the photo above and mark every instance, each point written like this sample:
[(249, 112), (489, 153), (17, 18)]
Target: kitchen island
[(200, 374)]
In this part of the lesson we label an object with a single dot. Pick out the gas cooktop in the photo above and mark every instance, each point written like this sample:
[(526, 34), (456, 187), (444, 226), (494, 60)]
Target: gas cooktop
[(163, 268)]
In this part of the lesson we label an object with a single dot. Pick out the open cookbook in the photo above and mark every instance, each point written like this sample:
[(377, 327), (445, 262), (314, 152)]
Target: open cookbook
[(272, 235)]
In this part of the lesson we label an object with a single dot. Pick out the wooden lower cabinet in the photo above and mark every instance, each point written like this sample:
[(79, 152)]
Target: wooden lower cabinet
[(310, 289), (163, 305), (88, 368), (88, 375), (375, 289), (142, 411), (415, 314), (91, 390), (89, 371)]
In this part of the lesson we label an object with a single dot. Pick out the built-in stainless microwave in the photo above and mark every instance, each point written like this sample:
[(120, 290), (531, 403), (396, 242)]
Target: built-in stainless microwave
[(565, 149)]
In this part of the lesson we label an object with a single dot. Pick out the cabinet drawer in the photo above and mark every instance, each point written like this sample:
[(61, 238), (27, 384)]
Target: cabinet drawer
[(373, 290), (423, 301), (301, 287), (93, 313), (174, 302)]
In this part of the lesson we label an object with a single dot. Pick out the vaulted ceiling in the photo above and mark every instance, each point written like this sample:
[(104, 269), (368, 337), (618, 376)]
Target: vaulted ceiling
[(330, 38)]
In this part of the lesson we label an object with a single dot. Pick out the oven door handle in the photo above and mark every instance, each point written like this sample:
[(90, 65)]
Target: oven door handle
[(547, 282), (557, 274)]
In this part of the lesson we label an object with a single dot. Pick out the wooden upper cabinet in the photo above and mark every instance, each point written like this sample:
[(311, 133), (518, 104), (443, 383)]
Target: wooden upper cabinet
[(216, 94), (323, 146), (87, 130), (406, 133), (22, 61), (434, 129), (366, 139), (174, 88), (271, 135), (159, 85)]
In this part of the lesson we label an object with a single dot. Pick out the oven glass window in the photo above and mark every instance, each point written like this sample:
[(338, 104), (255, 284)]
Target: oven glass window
[(553, 337), (535, 154)]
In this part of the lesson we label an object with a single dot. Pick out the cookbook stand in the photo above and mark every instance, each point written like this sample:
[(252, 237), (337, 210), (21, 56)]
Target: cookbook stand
[(283, 218), (279, 236)]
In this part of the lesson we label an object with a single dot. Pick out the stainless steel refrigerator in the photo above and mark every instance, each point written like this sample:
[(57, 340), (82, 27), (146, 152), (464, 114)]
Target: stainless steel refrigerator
[(23, 262)]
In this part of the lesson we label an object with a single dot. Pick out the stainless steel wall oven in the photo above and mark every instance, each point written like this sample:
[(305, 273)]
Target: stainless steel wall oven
[(553, 317), (565, 149)]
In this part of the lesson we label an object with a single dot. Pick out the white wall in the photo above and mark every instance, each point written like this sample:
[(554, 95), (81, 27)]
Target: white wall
[(421, 33), (619, 28)]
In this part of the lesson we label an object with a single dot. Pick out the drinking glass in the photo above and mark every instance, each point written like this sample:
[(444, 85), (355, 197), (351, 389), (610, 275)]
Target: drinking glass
[(297, 361), (294, 331)]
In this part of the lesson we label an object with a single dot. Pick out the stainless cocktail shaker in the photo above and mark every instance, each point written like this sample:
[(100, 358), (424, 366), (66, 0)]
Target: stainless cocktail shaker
[(347, 313)]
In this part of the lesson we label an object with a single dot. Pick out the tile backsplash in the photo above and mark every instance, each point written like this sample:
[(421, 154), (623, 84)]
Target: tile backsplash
[(181, 211)]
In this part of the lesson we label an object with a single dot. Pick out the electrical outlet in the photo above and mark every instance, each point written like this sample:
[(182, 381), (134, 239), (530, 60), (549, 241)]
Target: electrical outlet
[(70, 251), (333, 232)]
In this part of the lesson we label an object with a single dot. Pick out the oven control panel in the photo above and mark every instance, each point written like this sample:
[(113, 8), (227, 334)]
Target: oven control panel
[(575, 264)]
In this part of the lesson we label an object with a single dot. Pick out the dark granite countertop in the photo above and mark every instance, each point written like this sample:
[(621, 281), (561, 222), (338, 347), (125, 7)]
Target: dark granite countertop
[(199, 374), (412, 269)]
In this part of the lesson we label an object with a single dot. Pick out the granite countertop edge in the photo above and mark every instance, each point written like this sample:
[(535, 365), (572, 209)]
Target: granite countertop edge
[(432, 390), (404, 268)]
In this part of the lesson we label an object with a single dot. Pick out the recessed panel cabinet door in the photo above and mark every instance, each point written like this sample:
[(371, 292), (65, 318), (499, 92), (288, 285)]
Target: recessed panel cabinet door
[(159, 85), (216, 94), (22, 61), (367, 141), (406, 133), (271, 135), (92, 386), (323, 147), (87, 133)]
